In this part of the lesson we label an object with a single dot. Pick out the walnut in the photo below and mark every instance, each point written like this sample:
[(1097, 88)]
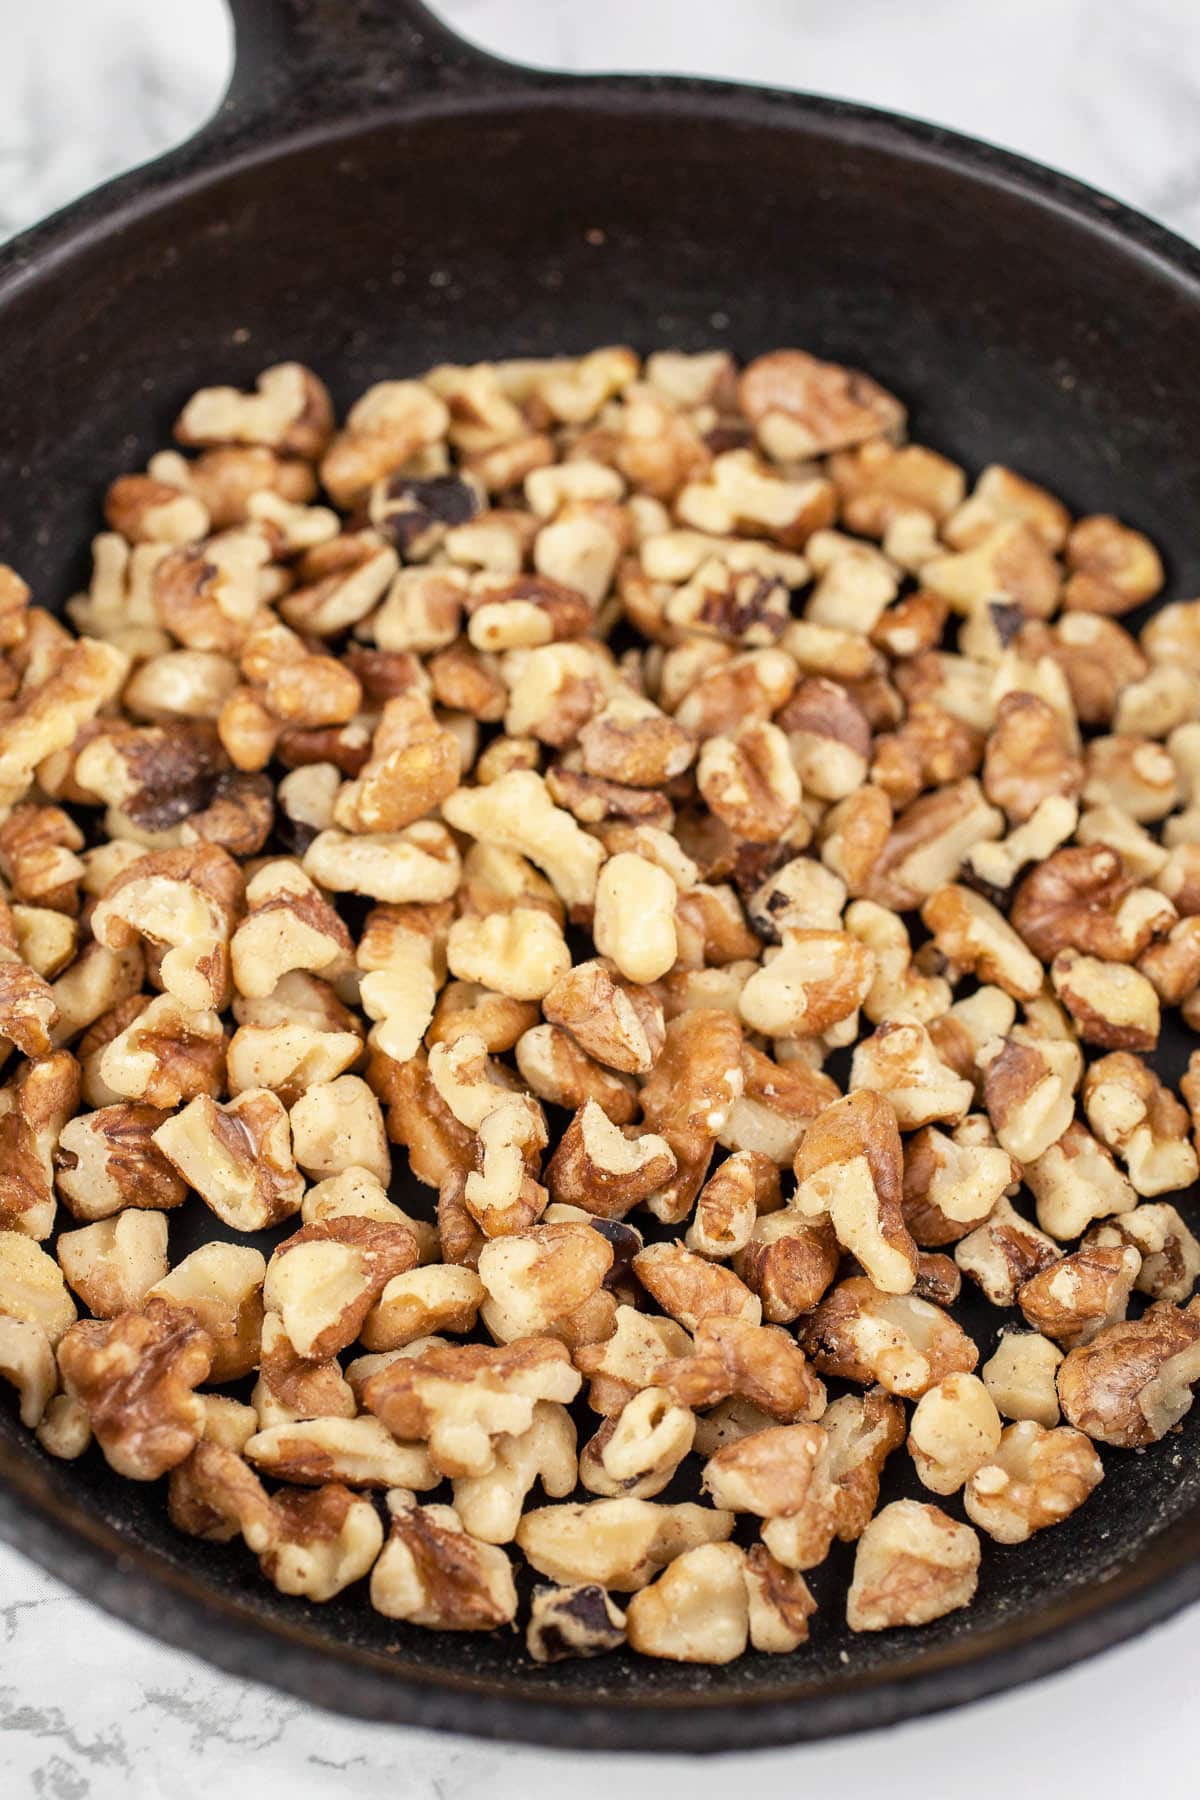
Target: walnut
[(490, 1505), (692, 1289), (617, 1543), (611, 1018), (634, 922), (107, 1160), (38, 859), (113, 1264), (817, 979), (849, 1167), (32, 1288), (327, 1276), (929, 749), (418, 864), (579, 1620), (789, 1262), (1079, 1295), (135, 1377), (1000, 494), (732, 1358), (1004, 1253), (1113, 569), (1140, 1120), (898, 1060), (1029, 1090), (460, 1398), (338, 1125), (420, 1302), (1134, 1380), (976, 939), (292, 1387), (636, 1451), (419, 1118), (1170, 1254), (802, 407), (749, 687), (28, 1010), (212, 1494), (741, 493), (780, 1475), (324, 1541), (913, 1564), (560, 1072), (950, 1187), (779, 1101), (289, 411), (697, 1611), (1076, 1181), (625, 1363), (1051, 823), (237, 1156), (595, 1166), (929, 842), (49, 713), (901, 1342), (540, 1280), (34, 1108), (898, 986), (221, 1285), (689, 1096), (1020, 1377), (863, 1430), (516, 813), (464, 1007), (955, 1429), (27, 1361), (1028, 758), (1111, 1004), (358, 1452), (779, 1600), (1134, 774), (728, 1204), (1036, 1477)]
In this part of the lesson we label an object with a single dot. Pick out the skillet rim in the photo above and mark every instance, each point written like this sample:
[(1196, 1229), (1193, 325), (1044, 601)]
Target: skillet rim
[(132, 1583)]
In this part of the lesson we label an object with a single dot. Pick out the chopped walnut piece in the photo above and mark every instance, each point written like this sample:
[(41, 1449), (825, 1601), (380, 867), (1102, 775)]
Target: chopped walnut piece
[(1029, 1091), (617, 1543), (237, 1156), (789, 1262), (1134, 1380), (899, 1061), (692, 1289), (1113, 569), (27, 1362), (1170, 1253), (221, 1285), (904, 1343), (357, 1451), (327, 1276), (324, 1540), (1005, 1252), (913, 1564), (1035, 1477), (732, 1358), (698, 1611), (1076, 1297), (950, 1187), (596, 1167), (637, 1450), (849, 1168), (1020, 1377), (113, 1264), (817, 979), (32, 1288), (460, 1398), (135, 1377), (780, 1475), (802, 407), (611, 1018), (863, 1430), (1140, 1120), (978, 941), (955, 1429), (1110, 1003), (580, 1620), (929, 842)]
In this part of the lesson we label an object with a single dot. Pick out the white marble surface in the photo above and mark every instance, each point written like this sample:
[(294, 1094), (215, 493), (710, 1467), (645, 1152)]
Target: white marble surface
[(1110, 92)]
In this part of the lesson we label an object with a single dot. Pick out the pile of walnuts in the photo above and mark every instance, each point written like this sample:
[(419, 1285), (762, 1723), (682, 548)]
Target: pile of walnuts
[(723, 875)]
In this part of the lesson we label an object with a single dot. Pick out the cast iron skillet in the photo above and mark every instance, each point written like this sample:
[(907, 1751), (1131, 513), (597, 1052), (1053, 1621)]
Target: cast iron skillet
[(374, 196)]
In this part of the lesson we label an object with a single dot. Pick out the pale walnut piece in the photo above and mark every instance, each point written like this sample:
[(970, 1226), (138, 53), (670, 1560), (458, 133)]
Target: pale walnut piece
[(580, 1620), (913, 1564)]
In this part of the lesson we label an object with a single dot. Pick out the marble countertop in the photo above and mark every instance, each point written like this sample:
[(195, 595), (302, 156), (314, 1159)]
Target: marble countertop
[(90, 1709)]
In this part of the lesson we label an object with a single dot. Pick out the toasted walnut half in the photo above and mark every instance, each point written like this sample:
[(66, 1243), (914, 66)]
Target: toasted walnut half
[(913, 1564), (135, 1376)]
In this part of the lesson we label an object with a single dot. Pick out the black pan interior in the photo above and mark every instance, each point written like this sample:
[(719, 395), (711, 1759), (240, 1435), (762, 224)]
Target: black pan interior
[(1020, 321)]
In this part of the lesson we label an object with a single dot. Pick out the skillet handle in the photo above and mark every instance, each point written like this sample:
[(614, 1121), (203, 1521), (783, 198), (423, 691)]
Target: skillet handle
[(307, 61)]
